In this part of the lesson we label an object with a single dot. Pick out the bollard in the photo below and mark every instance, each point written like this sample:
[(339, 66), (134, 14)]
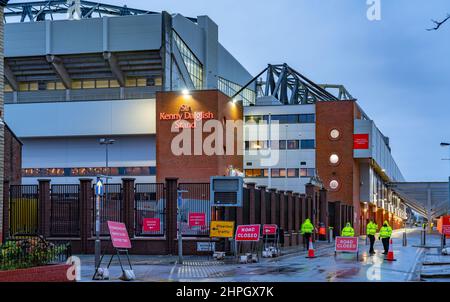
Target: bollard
[(405, 242), (423, 237), (330, 235), (442, 242)]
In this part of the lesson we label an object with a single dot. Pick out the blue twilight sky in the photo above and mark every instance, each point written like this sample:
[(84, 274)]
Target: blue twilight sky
[(399, 72)]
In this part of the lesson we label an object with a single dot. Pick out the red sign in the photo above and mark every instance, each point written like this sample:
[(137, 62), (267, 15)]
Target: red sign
[(249, 232), (151, 225), (360, 141), (269, 229), (445, 225), (197, 219), (346, 244), (119, 235)]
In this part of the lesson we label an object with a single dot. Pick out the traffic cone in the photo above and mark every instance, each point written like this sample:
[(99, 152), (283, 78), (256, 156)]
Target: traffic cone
[(311, 249), (390, 255)]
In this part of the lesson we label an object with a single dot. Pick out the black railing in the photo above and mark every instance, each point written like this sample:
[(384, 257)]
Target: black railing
[(32, 250), (23, 209), (65, 210), (195, 200), (111, 207), (150, 205)]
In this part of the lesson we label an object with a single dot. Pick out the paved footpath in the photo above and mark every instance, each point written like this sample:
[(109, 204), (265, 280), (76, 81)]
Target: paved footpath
[(291, 267)]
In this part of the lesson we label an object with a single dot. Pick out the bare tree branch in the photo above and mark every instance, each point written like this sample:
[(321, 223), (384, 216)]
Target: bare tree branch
[(439, 23)]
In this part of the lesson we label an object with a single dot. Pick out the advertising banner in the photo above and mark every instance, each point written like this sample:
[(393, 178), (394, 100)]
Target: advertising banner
[(119, 235), (249, 232)]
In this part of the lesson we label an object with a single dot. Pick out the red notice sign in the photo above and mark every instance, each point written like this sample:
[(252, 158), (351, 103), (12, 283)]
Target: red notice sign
[(269, 229), (119, 235), (445, 225), (151, 225), (360, 141), (346, 244), (249, 232), (197, 219)]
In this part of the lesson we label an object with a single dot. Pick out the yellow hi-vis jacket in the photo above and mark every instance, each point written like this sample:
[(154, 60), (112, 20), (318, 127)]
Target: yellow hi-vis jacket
[(372, 228), (307, 227), (348, 231), (385, 231)]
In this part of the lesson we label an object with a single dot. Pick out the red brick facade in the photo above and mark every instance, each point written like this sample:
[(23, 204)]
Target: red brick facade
[(13, 157)]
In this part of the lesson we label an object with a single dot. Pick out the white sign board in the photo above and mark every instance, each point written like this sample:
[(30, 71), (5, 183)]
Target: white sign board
[(206, 246)]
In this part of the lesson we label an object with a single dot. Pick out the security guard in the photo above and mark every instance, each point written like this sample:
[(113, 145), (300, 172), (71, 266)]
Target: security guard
[(385, 235), (372, 228), (348, 231), (306, 230)]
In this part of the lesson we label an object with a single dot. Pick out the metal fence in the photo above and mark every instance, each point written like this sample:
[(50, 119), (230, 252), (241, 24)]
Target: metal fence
[(23, 210), (65, 210), (195, 201), (150, 205), (111, 207)]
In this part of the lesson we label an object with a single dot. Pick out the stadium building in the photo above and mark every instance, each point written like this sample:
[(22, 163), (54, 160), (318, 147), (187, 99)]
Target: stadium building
[(75, 75)]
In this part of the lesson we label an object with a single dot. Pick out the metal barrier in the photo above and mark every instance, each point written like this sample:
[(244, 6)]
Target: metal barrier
[(65, 210), (23, 209), (195, 200), (150, 202), (111, 207)]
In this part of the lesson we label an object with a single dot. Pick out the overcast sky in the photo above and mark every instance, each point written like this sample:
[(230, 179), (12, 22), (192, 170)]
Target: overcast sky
[(398, 71)]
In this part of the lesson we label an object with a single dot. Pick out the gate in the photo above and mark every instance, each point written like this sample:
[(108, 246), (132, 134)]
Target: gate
[(23, 210), (150, 202), (195, 200), (65, 210), (111, 207)]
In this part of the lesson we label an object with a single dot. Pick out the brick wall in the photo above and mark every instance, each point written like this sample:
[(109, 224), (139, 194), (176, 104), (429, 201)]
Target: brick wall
[(13, 158)]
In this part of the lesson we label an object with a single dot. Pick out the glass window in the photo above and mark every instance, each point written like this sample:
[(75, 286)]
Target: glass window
[(307, 118), (253, 118), (291, 172), (114, 84), (102, 84), (88, 84), (158, 81), (141, 82), (282, 145), (284, 118), (51, 86), (130, 82), (307, 172), (275, 172), (8, 88), (193, 65), (76, 84), (307, 144), (33, 86), (292, 144)]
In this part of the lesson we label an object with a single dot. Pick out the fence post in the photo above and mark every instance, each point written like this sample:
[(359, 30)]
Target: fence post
[(251, 193), (296, 202), (323, 207), (85, 212), (263, 203), (171, 214), (44, 207), (4, 232), (282, 216), (128, 204), (273, 205)]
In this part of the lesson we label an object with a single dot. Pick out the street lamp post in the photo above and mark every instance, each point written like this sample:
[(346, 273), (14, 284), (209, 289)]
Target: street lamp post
[(107, 142)]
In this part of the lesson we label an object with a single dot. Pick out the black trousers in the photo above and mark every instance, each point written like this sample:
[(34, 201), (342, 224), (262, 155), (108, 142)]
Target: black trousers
[(372, 242), (385, 242), (306, 237)]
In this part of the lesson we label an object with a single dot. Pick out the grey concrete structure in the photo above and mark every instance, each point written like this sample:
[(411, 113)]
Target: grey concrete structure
[(71, 82)]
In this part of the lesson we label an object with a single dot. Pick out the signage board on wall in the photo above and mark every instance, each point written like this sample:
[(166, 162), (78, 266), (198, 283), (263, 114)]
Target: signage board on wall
[(151, 225), (196, 219), (361, 141)]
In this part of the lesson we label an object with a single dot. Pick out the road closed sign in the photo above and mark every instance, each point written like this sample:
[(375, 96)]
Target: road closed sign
[(346, 244), (249, 232), (221, 229)]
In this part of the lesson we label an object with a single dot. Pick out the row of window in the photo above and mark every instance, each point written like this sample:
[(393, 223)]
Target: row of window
[(74, 172), (292, 144), (303, 118), (191, 62), (86, 84), (229, 88), (280, 173)]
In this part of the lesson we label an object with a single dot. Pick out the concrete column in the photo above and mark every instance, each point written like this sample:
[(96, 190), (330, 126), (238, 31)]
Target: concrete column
[(171, 215), (323, 207), (128, 204), (44, 207), (86, 200), (303, 208), (262, 189), (251, 193)]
